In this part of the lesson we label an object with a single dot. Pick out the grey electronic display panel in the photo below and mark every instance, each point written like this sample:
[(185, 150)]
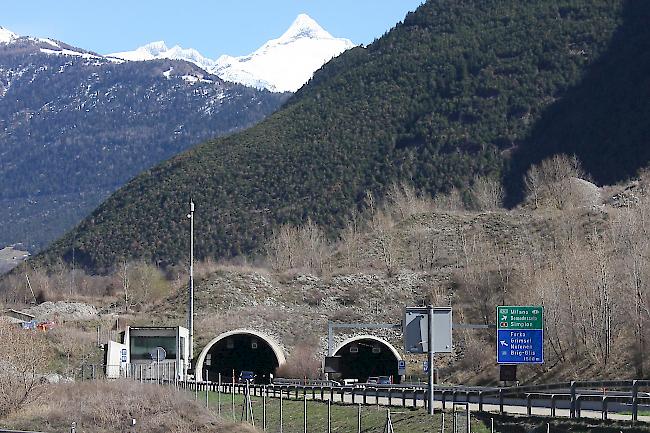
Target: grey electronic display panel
[(416, 333)]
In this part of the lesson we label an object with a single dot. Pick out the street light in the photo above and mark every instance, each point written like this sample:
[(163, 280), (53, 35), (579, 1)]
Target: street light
[(190, 319)]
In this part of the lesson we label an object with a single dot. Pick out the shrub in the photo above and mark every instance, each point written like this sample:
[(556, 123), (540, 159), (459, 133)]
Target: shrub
[(303, 363), (23, 359), (303, 247), (549, 184)]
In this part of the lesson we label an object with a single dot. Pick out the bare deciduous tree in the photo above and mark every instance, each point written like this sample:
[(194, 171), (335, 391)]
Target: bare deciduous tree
[(453, 201), (487, 194), (299, 247), (281, 250), (385, 240), (142, 283), (550, 184), (403, 201), (24, 356), (350, 242)]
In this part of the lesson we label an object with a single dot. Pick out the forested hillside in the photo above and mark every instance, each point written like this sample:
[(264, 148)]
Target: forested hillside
[(445, 96), (75, 127), (603, 119)]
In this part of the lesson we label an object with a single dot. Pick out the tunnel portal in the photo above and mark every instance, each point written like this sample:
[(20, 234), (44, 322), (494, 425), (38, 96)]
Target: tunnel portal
[(368, 356), (239, 351)]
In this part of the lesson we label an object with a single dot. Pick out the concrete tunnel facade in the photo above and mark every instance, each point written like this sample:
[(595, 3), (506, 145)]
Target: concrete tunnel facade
[(362, 356), (239, 350)]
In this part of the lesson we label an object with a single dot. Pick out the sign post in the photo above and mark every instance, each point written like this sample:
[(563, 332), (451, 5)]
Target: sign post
[(430, 354), (401, 367), (428, 330), (520, 334)]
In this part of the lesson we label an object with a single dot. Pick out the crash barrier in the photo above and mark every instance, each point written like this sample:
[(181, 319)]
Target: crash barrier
[(16, 431), (549, 398), (573, 399)]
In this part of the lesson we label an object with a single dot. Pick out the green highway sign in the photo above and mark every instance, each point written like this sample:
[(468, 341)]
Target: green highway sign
[(520, 317)]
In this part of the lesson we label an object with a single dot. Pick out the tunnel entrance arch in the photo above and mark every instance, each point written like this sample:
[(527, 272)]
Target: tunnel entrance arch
[(239, 350), (366, 356)]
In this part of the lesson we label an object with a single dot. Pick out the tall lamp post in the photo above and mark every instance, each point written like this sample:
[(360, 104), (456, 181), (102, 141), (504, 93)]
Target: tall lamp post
[(190, 319)]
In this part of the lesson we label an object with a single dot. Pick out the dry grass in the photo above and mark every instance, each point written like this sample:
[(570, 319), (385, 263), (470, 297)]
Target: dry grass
[(100, 407), (73, 346)]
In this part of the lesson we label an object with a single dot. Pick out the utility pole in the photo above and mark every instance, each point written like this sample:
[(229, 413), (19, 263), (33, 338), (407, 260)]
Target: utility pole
[(125, 284), (190, 319), (30, 289)]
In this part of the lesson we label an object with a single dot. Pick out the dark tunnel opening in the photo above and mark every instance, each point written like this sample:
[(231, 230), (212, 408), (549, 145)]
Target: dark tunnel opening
[(364, 358), (240, 352)]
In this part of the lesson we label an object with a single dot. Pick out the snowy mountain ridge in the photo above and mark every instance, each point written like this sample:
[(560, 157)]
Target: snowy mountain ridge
[(159, 50), (280, 65), (6, 35)]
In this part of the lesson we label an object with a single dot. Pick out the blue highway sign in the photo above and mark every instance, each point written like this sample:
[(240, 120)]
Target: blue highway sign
[(520, 334), (525, 346)]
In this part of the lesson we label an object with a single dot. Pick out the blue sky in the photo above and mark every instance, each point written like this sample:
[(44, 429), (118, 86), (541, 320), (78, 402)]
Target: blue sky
[(213, 27)]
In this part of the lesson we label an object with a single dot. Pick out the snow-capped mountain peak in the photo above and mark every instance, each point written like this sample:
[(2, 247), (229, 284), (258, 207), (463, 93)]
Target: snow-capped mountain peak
[(7, 36), (286, 63), (304, 26)]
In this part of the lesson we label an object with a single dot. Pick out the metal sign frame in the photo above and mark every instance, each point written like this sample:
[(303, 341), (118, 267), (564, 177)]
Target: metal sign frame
[(416, 330)]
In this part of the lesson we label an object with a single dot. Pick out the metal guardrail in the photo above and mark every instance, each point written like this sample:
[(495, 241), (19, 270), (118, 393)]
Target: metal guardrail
[(536, 396), (17, 431), (573, 395)]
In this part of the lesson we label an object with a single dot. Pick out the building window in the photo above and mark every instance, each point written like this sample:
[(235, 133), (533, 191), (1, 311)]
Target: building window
[(141, 346)]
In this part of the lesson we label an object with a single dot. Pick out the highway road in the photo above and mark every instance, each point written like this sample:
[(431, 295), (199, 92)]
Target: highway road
[(590, 400)]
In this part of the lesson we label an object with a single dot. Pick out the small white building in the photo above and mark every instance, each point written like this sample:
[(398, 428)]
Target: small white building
[(149, 352)]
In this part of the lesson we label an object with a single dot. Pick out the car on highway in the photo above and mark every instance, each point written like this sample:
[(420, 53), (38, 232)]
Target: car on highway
[(247, 377), (379, 380), (384, 380)]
